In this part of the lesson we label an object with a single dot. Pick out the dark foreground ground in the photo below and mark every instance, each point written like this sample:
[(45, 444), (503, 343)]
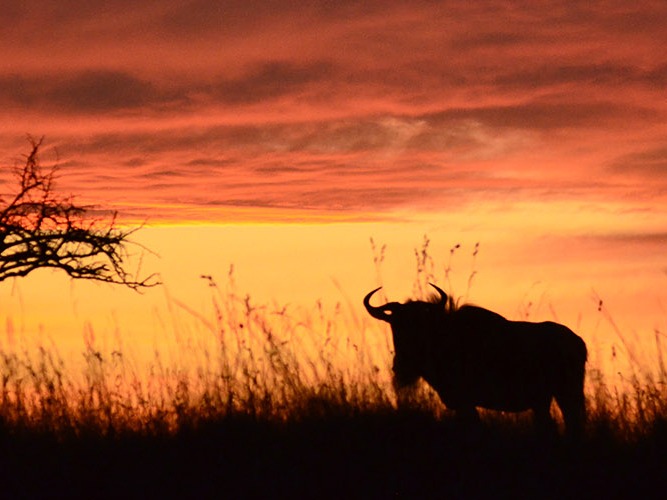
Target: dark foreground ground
[(366, 456)]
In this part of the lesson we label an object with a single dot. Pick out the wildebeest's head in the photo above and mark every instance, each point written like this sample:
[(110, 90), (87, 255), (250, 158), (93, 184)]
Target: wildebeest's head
[(413, 325)]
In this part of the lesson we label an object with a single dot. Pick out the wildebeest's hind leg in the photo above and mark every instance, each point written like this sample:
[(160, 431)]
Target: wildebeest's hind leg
[(572, 402), (544, 422), (573, 408)]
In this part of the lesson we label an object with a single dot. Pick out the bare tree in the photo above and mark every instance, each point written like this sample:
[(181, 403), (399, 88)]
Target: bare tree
[(39, 229)]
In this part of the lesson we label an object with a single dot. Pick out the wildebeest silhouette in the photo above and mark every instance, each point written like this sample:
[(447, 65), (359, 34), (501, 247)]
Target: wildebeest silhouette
[(474, 357)]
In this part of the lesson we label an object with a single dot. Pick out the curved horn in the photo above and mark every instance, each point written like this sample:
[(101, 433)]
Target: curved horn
[(443, 296), (376, 312)]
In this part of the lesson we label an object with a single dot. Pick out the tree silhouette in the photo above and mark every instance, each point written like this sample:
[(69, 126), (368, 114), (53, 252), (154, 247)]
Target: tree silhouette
[(39, 229)]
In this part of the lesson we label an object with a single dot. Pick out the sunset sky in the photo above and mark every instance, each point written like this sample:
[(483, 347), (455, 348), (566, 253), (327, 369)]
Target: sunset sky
[(281, 136)]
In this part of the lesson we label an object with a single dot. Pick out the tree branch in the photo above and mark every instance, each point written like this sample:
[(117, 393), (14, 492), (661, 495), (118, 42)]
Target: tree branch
[(41, 230)]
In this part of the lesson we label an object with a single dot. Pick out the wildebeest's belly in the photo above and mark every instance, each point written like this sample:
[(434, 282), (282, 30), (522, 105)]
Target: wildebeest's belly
[(491, 397), (493, 382)]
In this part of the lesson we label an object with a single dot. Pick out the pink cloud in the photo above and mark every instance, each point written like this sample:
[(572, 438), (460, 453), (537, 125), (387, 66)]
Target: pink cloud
[(345, 107)]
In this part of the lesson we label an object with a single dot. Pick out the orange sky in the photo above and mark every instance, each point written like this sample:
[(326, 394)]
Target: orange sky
[(537, 129)]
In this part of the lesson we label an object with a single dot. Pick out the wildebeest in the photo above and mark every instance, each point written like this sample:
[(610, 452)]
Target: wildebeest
[(474, 357)]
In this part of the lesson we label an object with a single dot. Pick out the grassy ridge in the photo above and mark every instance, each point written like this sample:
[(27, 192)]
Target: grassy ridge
[(375, 454)]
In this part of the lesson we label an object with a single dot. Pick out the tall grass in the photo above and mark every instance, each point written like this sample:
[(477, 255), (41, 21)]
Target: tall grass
[(272, 363), (238, 358)]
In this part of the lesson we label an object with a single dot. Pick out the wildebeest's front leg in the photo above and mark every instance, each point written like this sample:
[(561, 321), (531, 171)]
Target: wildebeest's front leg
[(464, 411), (405, 388), (467, 415)]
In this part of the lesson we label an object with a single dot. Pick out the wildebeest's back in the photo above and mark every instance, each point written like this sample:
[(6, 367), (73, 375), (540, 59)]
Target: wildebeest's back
[(486, 360)]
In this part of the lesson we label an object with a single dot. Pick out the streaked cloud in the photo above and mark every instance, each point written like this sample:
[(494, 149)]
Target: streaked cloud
[(83, 93), (346, 107), (650, 164)]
